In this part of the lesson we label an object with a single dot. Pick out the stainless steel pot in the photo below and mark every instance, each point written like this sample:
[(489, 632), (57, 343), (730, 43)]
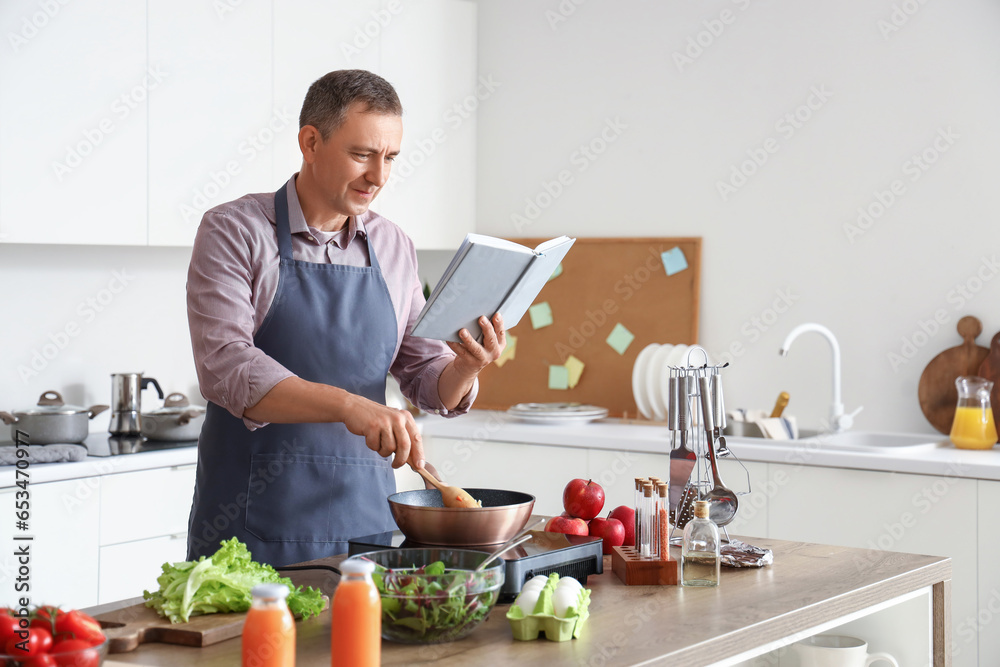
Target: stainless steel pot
[(422, 517), (51, 421), (176, 420)]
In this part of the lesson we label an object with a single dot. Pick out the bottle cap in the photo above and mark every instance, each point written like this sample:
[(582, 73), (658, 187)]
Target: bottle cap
[(270, 591), (701, 509), (357, 566)]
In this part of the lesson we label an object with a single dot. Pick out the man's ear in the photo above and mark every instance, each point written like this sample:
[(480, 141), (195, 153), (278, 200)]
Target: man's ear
[(309, 140)]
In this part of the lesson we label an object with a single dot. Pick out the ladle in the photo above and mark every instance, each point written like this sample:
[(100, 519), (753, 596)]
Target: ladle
[(452, 496), (723, 503)]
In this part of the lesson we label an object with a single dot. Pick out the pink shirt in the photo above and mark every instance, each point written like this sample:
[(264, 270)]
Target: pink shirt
[(232, 280)]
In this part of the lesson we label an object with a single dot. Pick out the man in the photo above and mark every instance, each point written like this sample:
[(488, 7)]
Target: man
[(299, 303)]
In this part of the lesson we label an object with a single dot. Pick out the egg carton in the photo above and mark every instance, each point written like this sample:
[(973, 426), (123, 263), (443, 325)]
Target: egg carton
[(544, 619)]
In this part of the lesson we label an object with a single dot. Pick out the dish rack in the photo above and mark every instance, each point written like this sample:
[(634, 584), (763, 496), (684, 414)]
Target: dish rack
[(696, 417)]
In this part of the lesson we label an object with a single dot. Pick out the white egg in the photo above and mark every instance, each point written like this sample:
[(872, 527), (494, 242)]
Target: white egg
[(564, 598), (569, 583), (535, 582), (527, 600)]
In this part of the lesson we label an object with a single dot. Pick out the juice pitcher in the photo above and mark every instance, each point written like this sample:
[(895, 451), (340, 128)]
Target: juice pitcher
[(973, 427)]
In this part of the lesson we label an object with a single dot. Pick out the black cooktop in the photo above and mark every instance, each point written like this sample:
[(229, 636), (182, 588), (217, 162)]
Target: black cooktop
[(105, 444)]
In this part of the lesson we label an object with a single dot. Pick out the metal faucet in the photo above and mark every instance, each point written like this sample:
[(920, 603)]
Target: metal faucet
[(838, 420)]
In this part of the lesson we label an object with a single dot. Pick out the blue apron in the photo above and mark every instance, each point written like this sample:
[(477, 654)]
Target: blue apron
[(296, 492)]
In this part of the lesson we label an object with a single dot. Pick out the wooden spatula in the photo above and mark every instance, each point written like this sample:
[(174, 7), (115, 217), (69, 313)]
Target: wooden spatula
[(452, 496)]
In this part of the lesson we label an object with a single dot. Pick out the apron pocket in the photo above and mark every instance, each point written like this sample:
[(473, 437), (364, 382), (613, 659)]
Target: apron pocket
[(313, 498)]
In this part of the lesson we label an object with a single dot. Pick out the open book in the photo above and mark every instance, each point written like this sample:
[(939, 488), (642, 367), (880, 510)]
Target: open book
[(488, 275)]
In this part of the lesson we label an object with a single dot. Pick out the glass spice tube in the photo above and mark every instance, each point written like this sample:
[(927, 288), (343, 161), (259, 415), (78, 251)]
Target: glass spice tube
[(645, 548), (664, 498), (638, 513), (654, 547)]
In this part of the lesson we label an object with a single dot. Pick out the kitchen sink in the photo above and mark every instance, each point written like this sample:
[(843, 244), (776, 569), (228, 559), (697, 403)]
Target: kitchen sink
[(870, 441)]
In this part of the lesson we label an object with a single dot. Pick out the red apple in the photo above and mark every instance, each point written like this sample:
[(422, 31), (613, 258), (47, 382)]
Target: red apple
[(611, 531), (561, 524), (583, 499), (626, 515)]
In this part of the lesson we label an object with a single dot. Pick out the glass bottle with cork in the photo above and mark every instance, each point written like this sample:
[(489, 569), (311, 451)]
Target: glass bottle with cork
[(700, 558)]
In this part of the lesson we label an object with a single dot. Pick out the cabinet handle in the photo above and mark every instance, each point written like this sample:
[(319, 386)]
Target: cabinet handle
[(179, 536)]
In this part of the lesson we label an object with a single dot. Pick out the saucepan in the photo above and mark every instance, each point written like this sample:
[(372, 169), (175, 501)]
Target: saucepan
[(422, 517), (52, 421), (176, 420)]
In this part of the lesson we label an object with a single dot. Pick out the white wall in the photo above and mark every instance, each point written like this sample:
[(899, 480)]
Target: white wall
[(567, 68)]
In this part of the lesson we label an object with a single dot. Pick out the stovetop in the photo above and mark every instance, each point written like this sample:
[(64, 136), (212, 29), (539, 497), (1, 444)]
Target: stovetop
[(105, 444)]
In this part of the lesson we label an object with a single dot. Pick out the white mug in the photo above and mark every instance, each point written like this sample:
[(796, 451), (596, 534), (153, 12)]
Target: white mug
[(838, 651)]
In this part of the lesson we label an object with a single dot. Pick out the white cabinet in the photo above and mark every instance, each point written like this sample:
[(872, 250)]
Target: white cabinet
[(73, 112), (978, 626), (889, 512), (62, 561), (144, 517), (428, 53), (212, 127)]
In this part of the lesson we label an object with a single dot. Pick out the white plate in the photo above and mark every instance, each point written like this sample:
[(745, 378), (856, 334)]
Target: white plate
[(556, 413), (549, 419), (657, 368), (639, 379)]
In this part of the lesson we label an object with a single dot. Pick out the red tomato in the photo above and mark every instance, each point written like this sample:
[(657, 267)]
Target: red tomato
[(39, 641), (43, 660), (46, 617), (8, 626), (78, 625), (75, 653)]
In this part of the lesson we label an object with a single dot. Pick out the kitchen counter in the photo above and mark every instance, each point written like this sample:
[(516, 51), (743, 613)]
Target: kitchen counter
[(616, 435), (810, 588)]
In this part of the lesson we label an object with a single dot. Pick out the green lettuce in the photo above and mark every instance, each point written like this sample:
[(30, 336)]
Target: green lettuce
[(221, 583)]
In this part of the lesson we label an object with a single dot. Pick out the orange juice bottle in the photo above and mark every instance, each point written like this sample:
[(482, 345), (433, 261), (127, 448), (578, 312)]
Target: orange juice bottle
[(973, 427), (356, 617), (269, 631)]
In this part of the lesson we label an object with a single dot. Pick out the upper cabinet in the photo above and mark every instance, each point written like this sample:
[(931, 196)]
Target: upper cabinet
[(121, 123), (212, 125), (74, 94)]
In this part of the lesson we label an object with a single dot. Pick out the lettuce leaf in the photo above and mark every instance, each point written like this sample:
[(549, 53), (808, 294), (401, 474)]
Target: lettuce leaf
[(222, 583)]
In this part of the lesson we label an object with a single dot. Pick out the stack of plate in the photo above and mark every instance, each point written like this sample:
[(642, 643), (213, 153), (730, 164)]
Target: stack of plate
[(556, 413), (650, 374)]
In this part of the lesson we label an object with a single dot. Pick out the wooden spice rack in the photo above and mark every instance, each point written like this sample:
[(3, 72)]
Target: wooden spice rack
[(636, 570)]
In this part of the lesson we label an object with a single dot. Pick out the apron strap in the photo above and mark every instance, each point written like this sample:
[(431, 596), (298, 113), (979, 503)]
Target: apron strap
[(283, 228), (372, 259)]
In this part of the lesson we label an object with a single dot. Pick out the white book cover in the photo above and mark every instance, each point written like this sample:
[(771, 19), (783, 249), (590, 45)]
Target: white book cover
[(488, 275)]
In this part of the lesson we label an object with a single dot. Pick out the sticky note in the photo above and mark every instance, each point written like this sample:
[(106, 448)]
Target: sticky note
[(575, 368), (556, 273), (558, 377), (541, 315), (620, 338), (508, 352), (674, 261)]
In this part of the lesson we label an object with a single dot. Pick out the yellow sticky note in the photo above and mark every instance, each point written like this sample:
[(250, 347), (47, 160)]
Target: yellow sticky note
[(575, 368), (558, 377), (541, 315), (556, 273), (620, 338), (508, 352)]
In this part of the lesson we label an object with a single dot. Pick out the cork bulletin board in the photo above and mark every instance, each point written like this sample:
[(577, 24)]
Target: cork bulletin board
[(604, 282)]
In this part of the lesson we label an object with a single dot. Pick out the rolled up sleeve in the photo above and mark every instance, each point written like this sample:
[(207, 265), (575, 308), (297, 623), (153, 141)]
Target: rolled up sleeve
[(232, 372)]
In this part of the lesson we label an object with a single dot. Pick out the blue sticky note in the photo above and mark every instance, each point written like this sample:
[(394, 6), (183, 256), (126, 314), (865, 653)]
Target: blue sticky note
[(541, 315), (558, 377), (620, 338), (674, 261)]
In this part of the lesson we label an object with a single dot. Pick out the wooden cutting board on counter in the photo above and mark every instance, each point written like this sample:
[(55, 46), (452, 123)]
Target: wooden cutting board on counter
[(936, 391), (990, 369), (128, 627)]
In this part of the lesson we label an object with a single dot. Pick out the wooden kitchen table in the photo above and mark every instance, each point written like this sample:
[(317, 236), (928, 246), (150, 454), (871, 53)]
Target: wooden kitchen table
[(810, 588)]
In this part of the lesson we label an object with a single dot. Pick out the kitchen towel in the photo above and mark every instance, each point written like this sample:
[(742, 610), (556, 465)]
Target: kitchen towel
[(42, 454)]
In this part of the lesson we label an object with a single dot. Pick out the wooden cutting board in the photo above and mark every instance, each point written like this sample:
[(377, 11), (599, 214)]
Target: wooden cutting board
[(936, 391), (128, 627), (990, 369)]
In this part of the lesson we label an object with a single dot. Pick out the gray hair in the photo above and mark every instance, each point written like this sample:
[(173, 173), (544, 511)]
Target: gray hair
[(330, 96)]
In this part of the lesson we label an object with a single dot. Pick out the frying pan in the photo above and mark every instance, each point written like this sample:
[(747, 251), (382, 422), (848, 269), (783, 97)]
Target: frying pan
[(422, 517)]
